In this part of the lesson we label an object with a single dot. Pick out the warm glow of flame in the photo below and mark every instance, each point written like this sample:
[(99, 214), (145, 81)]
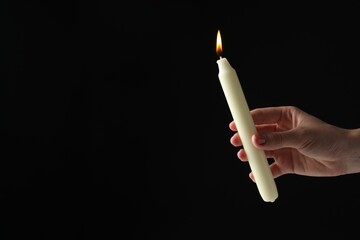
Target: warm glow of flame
[(218, 44)]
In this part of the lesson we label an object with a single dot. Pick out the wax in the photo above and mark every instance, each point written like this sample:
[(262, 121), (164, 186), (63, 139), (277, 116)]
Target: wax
[(246, 128)]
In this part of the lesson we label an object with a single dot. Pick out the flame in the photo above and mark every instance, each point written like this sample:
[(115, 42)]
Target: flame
[(219, 49)]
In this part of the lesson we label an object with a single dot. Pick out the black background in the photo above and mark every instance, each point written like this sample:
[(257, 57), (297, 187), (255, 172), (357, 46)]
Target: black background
[(114, 124)]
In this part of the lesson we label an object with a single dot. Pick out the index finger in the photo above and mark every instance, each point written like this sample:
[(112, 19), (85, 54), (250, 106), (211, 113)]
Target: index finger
[(272, 115)]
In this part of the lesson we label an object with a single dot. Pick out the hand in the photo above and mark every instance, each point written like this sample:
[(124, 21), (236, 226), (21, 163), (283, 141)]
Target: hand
[(302, 144)]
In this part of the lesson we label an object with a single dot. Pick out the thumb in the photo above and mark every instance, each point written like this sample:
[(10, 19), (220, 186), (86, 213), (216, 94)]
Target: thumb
[(276, 140)]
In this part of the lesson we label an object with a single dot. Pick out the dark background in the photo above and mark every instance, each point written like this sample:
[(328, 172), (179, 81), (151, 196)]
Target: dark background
[(114, 124)]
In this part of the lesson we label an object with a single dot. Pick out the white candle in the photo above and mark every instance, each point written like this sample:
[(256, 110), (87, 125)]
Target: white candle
[(245, 126)]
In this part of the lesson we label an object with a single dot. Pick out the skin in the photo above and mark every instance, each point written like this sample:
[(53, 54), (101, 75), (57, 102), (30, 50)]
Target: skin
[(302, 144)]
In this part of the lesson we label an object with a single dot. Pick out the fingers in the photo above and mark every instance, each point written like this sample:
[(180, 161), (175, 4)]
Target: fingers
[(235, 140), (275, 170), (272, 124), (273, 115), (232, 126), (282, 116), (277, 140), (267, 115), (242, 155)]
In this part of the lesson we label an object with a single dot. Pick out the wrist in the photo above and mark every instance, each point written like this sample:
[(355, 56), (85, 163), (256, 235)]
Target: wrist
[(353, 148)]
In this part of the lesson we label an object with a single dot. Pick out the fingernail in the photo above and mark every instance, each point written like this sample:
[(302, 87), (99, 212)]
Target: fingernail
[(261, 140)]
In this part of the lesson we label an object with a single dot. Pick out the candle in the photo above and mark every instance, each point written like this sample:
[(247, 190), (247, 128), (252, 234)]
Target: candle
[(245, 126)]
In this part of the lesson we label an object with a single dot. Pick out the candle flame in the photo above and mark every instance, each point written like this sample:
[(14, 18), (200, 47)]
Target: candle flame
[(219, 49)]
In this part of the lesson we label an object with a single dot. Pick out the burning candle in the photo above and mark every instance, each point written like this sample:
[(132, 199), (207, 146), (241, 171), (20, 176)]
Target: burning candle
[(245, 126)]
